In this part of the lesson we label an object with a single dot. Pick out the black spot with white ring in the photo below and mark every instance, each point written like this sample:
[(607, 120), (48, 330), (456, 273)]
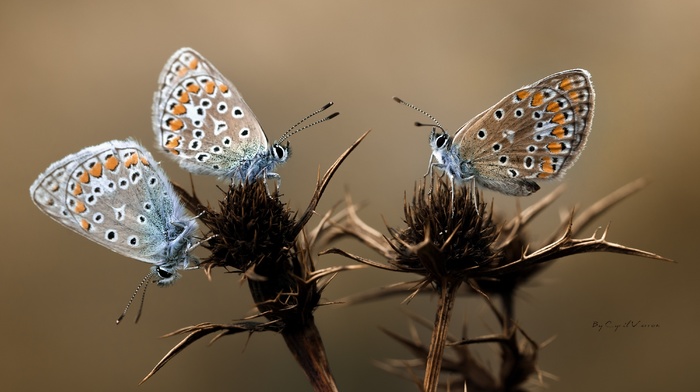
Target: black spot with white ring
[(195, 144), (244, 133), (237, 112), (227, 141), (518, 113), (98, 217), (498, 114), (198, 133), (513, 173), (111, 235), (496, 147), (503, 159), (133, 240), (481, 134), (531, 148), (528, 162), (221, 107)]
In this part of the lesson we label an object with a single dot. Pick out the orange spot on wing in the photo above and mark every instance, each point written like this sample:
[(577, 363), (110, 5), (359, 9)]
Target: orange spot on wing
[(144, 161), (174, 152), (559, 118), (522, 94), (574, 95), (85, 225), (131, 160), (547, 165), (184, 98), (111, 163), (80, 207), (173, 142), (77, 190), (209, 87), (193, 88), (96, 170), (559, 132), (537, 99), (176, 124), (566, 84), (84, 178), (179, 109), (555, 147), (193, 64), (181, 71), (553, 107), (543, 175), (223, 88)]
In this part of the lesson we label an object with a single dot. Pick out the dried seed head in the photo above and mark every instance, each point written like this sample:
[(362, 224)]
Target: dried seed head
[(458, 238)]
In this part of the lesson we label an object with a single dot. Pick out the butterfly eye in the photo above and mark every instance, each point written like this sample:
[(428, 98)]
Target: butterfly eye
[(279, 152), (163, 273), (441, 141)]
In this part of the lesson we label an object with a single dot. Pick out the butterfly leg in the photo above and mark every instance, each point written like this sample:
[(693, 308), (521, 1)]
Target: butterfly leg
[(452, 191), (476, 204), (274, 176)]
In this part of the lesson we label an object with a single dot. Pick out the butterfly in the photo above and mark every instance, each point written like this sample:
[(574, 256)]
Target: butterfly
[(117, 195), (534, 133), (202, 121)]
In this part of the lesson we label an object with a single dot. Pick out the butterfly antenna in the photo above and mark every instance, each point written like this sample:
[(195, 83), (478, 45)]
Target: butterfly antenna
[(144, 283), (419, 110), (291, 131)]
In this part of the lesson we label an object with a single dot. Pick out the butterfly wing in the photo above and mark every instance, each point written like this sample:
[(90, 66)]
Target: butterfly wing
[(534, 133), (115, 194), (201, 119)]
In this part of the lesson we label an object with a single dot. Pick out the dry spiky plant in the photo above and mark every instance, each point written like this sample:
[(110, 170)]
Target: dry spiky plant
[(255, 234), (456, 248), (467, 247)]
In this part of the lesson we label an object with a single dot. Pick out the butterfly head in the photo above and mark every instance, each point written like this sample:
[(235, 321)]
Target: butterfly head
[(279, 153), (164, 275), (440, 141)]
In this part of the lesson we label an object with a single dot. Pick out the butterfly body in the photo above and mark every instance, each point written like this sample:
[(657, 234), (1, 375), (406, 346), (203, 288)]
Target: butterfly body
[(116, 195), (535, 133)]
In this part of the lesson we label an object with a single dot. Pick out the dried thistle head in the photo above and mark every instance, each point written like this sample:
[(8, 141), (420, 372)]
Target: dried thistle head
[(445, 237), (468, 244), (256, 234)]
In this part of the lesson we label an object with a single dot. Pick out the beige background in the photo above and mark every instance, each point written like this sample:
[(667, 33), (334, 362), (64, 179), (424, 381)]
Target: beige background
[(79, 73)]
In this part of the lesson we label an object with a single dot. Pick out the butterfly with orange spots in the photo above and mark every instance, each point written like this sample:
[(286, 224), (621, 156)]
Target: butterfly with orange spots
[(535, 133), (201, 120)]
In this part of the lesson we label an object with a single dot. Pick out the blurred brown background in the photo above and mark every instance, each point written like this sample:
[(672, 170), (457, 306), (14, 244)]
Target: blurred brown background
[(80, 73)]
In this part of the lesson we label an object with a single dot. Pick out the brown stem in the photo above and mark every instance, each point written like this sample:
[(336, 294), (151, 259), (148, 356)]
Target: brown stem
[(305, 343), (447, 290)]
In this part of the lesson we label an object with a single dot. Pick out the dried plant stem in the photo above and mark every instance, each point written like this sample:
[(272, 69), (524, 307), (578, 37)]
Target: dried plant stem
[(447, 290), (305, 344)]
